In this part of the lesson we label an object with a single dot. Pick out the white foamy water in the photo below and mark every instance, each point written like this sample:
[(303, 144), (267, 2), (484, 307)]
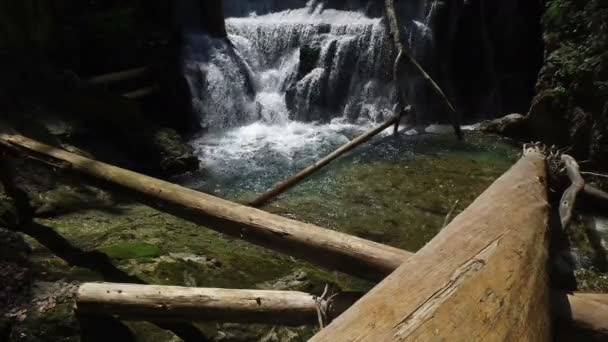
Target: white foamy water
[(290, 143)]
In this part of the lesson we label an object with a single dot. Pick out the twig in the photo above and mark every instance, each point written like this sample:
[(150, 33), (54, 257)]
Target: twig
[(448, 217), (321, 312), (594, 174), (568, 201)]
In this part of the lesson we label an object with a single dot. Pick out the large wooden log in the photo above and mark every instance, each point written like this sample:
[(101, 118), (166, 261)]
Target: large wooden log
[(327, 248), (483, 278), (174, 303), (300, 176)]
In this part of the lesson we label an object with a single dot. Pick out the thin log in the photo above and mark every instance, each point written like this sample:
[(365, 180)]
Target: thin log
[(596, 194), (327, 248), (120, 76), (143, 92), (568, 200), (178, 304), (482, 278), (294, 180), (594, 174), (404, 56)]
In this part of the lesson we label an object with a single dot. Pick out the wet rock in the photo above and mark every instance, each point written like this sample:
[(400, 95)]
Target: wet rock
[(66, 198), (281, 335), (513, 125), (439, 129), (570, 106), (297, 281)]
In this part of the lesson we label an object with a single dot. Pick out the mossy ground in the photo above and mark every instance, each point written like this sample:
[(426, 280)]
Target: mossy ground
[(397, 192)]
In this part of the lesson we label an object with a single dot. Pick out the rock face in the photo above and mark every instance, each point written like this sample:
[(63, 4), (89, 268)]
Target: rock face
[(486, 54), (571, 107)]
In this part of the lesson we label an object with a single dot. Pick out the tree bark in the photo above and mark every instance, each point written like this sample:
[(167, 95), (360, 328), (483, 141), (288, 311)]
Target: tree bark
[(294, 180), (173, 303), (482, 278), (327, 248)]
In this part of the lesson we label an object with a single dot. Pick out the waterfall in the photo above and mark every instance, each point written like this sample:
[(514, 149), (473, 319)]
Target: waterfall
[(289, 86), (309, 64)]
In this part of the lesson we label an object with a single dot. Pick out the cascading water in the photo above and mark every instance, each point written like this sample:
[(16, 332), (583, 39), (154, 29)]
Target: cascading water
[(288, 87)]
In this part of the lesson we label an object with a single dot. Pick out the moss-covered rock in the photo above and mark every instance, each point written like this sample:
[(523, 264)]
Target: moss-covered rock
[(571, 106)]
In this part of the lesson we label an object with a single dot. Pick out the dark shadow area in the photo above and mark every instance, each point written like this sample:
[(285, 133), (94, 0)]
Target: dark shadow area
[(95, 261)]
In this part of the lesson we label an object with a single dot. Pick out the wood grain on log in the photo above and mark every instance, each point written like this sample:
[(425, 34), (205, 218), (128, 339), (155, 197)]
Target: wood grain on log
[(327, 248), (173, 303), (483, 278)]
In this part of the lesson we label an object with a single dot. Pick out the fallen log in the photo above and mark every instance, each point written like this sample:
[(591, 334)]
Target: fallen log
[(568, 200), (176, 304), (482, 278), (187, 304), (120, 76), (327, 248), (404, 56), (143, 92), (294, 180)]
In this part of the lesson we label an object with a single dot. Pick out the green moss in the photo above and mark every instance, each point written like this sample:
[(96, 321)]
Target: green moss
[(132, 250)]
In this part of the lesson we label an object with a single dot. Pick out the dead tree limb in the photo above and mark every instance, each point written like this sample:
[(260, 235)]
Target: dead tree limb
[(143, 92), (596, 193), (120, 76), (188, 304), (403, 56), (482, 278), (300, 176), (327, 248), (568, 200)]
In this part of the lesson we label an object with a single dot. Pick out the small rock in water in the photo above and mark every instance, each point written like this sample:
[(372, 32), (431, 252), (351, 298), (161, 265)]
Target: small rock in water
[(412, 131), (295, 281), (439, 129)]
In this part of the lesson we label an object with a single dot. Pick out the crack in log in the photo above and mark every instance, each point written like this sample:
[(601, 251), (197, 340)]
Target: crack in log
[(425, 311)]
